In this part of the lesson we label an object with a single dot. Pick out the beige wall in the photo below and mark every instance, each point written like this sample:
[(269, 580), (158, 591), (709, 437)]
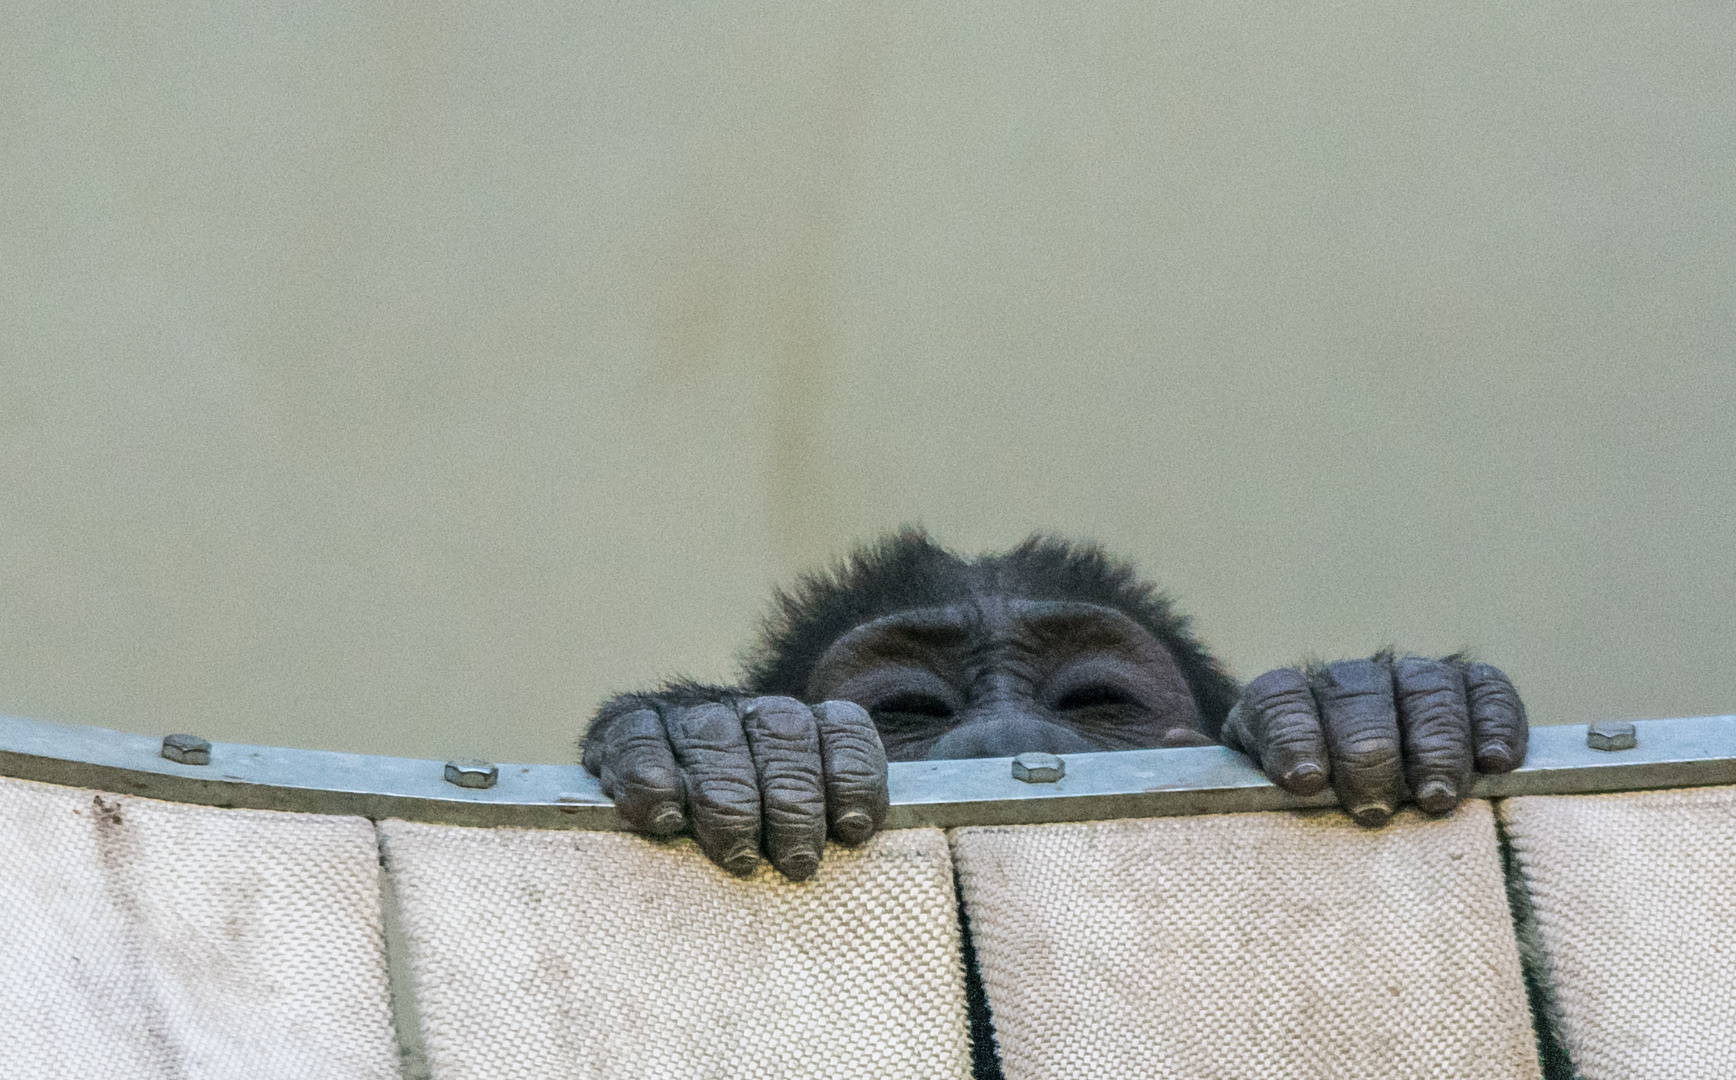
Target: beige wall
[(403, 378)]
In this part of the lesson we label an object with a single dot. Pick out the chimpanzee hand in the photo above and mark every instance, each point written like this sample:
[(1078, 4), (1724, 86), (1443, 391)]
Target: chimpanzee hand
[(1381, 731), (746, 774)]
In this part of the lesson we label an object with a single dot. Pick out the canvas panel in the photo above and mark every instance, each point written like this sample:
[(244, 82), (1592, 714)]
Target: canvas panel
[(1633, 915), (1284, 946), (146, 939), (545, 954)]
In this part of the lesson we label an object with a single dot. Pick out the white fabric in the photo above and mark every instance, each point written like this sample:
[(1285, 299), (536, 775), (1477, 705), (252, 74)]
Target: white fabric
[(145, 939), (1633, 901), (575, 954), (1249, 945)]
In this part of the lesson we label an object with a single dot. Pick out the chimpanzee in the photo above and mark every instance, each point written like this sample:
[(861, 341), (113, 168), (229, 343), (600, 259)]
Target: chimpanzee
[(905, 651)]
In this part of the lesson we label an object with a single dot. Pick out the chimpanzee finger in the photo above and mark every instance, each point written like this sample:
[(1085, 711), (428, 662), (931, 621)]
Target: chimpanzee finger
[(785, 742), (1276, 724), (1362, 741), (1499, 730), (723, 798), (637, 770), (1435, 731), (855, 770)]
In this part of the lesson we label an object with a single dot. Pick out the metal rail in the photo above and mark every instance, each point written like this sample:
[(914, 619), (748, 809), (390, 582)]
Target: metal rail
[(976, 791)]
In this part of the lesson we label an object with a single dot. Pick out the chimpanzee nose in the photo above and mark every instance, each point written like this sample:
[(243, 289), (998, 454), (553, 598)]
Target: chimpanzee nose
[(1006, 729)]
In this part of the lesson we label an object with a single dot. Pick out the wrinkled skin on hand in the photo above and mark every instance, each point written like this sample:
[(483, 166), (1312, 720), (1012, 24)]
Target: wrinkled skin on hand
[(912, 653), (746, 775), (1382, 731)]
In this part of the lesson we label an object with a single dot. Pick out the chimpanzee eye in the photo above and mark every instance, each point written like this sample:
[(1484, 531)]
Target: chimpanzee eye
[(913, 705), (1087, 697)]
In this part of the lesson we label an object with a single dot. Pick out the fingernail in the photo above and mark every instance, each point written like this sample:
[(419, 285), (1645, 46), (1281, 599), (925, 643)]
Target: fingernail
[(1437, 797), (742, 860), (1372, 815), (667, 821), (853, 827), (799, 865), (1305, 779), (1494, 758)]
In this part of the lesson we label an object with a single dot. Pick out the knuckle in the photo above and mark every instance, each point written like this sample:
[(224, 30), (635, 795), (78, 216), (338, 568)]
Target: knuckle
[(849, 781), (771, 702), (1280, 691), (854, 751), (1290, 723), (1448, 739), (725, 796), (792, 790), (785, 787), (639, 745), (779, 720), (706, 762), (711, 726), (1362, 722), (1496, 709), (646, 775), (844, 715), (1278, 677), (1435, 719), (1292, 743), (1433, 706), (1426, 678), (1486, 673), (773, 707), (1353, 704), (1276, 714), (1496, 697), (782, 763), (844, 711), (1369, 755), (796, 816), (1349, 683), (1441, 749)]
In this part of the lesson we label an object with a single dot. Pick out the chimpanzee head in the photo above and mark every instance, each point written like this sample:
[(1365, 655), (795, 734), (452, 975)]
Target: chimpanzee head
[(1051, 646)]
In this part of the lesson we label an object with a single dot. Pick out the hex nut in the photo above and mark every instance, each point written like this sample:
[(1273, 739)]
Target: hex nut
[(1038, 768), (471, 773), (1611, 735), (187, 749)]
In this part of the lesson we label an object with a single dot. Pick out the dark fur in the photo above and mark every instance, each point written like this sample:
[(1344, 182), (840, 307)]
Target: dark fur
[(908, 570)]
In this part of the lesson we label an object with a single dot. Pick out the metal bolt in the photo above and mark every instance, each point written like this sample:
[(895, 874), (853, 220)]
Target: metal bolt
[(187, 749), (468, 772), (1037, 768), (1611, 735)]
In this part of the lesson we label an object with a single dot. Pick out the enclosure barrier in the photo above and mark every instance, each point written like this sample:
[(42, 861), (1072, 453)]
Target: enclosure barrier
[(173, 908)]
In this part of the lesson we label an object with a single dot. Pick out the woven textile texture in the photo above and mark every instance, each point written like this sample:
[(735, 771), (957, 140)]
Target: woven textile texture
[(572, 954), (1282, 946), (145, 939), (1633, 914)]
